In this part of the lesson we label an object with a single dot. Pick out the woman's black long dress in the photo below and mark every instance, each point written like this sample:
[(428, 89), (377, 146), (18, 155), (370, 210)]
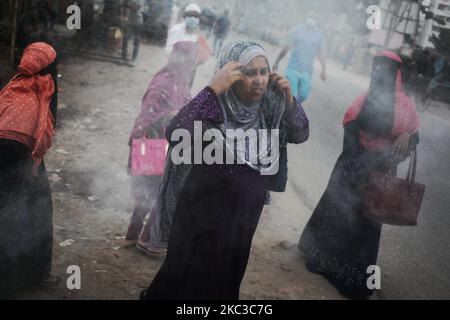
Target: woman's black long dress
[(215, 219), (26, 215), (26, 229), (340, 241)]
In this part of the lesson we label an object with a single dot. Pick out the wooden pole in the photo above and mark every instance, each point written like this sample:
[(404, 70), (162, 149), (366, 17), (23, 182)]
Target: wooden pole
[(14, 31), (416, 33), (393, 21)]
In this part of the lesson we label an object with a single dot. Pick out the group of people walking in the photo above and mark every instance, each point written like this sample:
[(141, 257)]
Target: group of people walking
[(209, 213), (202, 217)]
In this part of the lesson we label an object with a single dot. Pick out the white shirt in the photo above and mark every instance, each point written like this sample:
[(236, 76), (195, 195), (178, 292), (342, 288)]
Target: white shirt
[(174, 16), (178, 33)]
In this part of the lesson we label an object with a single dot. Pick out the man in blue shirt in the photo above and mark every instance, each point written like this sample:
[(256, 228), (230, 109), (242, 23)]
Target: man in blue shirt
[(306, 41), (222, 27)]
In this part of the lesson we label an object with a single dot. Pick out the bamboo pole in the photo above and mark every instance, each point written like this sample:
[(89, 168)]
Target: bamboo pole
[(14, 31)]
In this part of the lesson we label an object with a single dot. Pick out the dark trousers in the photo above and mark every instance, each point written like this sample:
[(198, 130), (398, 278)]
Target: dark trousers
[(132, 31), (144, 190), (218, 42)]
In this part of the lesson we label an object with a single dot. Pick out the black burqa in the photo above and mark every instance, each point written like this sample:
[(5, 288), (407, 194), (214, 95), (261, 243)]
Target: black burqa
[(26, 215), (340, 241)]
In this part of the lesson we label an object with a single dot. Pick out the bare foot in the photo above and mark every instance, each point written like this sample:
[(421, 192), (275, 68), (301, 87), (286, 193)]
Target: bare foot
[(50, 281), (129, 243)]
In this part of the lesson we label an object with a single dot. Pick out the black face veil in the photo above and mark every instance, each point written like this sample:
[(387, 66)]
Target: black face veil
[(377, 115)]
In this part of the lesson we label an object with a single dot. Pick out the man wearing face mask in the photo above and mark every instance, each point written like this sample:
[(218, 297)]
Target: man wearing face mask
[(306, 41), (133, 20), (188, 30)]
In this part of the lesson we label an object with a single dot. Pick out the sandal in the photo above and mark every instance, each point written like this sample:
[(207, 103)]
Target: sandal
[(143, 294), (153, 252)]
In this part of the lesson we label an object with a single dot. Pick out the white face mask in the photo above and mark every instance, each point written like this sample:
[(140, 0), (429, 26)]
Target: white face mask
[(192, 22), (311, 23)]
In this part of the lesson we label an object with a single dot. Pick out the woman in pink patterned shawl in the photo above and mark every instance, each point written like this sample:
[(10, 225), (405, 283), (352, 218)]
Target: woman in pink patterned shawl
[(168, 91)]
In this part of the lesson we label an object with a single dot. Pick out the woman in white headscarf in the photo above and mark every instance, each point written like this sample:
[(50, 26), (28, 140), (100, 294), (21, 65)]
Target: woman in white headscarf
[(219, 206)]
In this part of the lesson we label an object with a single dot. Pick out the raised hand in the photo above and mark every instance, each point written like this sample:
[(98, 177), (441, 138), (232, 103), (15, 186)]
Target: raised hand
[(401, 144), (226, 77), (284, 85)]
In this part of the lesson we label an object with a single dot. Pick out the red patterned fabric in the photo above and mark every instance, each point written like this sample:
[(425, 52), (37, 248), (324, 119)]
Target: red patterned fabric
[(406, 118), (25, 114)]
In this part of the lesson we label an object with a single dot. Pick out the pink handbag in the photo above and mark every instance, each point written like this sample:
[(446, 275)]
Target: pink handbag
[(148, 156)]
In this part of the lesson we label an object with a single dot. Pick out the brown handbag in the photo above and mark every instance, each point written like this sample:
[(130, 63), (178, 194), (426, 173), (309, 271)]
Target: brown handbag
[(392, 200)]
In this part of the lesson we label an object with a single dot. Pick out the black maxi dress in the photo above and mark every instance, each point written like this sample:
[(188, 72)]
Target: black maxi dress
[(217, 214), (339, 241), (26, 227), (26, 215)]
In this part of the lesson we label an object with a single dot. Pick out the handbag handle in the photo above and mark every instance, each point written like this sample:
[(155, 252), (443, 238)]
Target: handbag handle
[(149, 133), (411, 176)]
